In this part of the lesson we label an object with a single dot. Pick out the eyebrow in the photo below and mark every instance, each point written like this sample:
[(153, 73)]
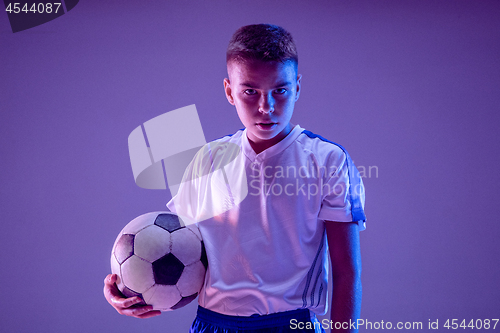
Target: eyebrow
[(251, 85)]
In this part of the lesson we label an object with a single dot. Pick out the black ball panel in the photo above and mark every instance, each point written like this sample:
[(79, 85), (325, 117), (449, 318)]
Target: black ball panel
[(169, 222), (124, 248), (184, 301), (204, 259), (167, 270)]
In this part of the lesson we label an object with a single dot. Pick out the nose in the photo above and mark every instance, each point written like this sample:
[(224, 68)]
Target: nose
[(266, 103)]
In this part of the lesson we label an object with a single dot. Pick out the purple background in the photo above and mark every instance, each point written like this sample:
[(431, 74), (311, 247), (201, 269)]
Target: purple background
[(411, 87)]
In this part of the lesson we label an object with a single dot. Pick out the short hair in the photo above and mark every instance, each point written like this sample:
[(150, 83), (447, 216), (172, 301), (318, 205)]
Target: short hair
[(265, 42)]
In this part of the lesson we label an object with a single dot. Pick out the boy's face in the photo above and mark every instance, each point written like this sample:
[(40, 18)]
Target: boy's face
[(264, 94)]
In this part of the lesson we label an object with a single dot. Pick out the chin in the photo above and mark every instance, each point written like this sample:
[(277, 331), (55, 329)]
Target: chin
[(269, 136)]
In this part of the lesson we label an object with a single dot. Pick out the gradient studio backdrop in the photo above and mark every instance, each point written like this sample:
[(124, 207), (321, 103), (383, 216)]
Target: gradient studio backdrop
[(410, 87)]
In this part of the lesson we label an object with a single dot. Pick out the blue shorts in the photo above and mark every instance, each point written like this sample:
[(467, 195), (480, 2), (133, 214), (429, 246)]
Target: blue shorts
[(293, 321)]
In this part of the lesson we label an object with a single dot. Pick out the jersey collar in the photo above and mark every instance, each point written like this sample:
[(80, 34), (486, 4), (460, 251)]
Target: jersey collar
[(271, 151)]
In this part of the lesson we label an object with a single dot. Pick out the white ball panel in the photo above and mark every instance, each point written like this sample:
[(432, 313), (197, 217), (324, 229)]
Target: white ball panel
[(192, 279), (137, 274), (152, 243), (140, 222), (195, 230), (119, 283), (162, 297), (116, 269), (115, 266), (186, 246)]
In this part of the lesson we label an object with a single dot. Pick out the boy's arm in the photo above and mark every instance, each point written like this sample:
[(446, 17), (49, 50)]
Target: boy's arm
[(343, 242)]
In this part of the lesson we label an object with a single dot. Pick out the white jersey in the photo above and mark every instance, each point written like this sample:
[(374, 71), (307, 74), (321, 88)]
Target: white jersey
[(266, 245)]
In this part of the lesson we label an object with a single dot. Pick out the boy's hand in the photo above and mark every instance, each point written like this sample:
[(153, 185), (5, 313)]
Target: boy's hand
[(126, 306)]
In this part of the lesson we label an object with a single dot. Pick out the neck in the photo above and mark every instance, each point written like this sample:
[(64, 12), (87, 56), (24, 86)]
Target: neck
[(260, 146)]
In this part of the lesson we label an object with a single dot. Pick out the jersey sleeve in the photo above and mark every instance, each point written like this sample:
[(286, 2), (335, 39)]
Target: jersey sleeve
[(343, 191)]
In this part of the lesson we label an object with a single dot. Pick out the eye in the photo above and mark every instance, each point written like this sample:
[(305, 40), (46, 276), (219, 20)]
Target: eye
[(250, 91), (280, 91)]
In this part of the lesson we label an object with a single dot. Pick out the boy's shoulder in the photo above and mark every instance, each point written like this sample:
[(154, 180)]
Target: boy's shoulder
[(321, 140), (321, 147), (235, 137)]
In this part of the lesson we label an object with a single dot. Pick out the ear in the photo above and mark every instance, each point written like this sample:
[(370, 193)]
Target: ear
[(228, 91), (297, 91)]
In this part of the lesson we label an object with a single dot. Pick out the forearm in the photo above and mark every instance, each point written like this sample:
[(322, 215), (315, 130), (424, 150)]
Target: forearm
[(343, 241), (346, 303)]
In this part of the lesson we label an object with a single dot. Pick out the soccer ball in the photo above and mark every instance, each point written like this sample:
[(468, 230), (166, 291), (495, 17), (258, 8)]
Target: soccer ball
[(159, 260)]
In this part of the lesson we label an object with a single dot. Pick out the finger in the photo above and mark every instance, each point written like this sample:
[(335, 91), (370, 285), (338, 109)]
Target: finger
[(142, 312), (117, 300), (115, 297), (110, 289), (150, 314), (130, 302), (110, 279)]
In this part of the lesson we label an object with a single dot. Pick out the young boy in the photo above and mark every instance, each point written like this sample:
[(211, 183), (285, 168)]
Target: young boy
[(268, 260)]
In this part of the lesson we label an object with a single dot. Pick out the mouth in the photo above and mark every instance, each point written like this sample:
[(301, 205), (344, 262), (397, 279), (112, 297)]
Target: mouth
[(267, 126)]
